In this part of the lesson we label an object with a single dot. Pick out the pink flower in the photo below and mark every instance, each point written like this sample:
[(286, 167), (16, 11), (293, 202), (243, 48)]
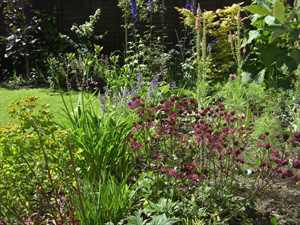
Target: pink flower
[(149, 111), (293, 139), (164, 169), (181, 176), (159, 157), (232, 76), (194, 165), (231, 131), (172, 172), (193, 176)]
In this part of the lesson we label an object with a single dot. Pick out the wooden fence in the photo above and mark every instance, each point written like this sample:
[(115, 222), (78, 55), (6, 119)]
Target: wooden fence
[(111, 20)]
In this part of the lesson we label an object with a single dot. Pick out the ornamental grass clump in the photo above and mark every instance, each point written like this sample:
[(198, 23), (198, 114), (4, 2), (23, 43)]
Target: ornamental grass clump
[(202, 147)]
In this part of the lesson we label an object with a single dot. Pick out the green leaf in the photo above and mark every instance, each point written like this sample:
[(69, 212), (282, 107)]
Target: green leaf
[(273, 220), (248, 155), (286, 132), (286, 64), (251, 165), (257, 9), (258, 162), (268, 54), (274, 28), (296, 55), (278, 9), (275, 34), (271, 20)]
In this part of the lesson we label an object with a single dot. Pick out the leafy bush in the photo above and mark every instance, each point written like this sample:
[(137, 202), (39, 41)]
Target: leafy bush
[(36, 177)]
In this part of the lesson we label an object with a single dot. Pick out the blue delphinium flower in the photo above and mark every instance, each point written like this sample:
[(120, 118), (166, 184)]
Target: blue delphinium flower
[(150, 4), (213, 42), (208, 48), (188, 5), (134, 9)]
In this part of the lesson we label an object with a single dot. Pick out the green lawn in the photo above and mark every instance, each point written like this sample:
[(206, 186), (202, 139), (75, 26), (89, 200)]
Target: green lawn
[(50, 96)]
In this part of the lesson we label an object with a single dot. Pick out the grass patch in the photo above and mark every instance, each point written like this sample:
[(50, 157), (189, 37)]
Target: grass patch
[(46, 95)]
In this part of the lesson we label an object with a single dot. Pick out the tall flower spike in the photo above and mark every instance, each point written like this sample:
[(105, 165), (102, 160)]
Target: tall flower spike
[(188, 5), (150, 4), (134, 9)]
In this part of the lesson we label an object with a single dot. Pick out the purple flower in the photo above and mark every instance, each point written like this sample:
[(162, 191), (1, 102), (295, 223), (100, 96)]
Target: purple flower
[(188, 5)]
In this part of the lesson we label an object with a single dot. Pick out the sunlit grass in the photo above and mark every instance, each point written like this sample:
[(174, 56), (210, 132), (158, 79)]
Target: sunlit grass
[(49, 96)]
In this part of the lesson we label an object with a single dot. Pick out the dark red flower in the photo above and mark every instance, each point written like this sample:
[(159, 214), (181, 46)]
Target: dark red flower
[(296, 164), (274, 153), (284, 162), (277, 161), (181, 176), (235, 143), (297, 177), (237, 151), (277, 135), (289, 173), (267, 133), (287, 153), (267, 146), (297, 135), (261, 137), (263, 164)]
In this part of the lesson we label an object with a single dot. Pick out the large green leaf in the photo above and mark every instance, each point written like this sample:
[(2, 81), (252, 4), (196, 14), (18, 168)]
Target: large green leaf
[(251, 73), (257, 9), (296, 55), (286, 64), (268, 54), (252, 35), (278, 9), (274, 28)]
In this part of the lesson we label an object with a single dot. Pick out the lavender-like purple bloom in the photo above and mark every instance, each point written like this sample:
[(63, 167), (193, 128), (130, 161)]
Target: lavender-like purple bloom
[(193, 7), (134, 9), (188, 5)]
